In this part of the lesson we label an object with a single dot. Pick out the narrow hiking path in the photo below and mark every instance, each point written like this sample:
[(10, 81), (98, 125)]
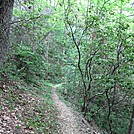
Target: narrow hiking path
[(70, 121)]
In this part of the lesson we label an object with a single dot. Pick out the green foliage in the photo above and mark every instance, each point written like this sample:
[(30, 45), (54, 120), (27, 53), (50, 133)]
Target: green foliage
[(28, 63), (87, 45), (100, 34), (24, 64)]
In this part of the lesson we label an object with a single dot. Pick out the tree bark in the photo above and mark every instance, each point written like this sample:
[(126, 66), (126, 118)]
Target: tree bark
[(6, 8)]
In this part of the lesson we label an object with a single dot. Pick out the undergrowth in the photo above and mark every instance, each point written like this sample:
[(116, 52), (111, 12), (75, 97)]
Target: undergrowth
[(120, 116), (26, 105), (32, 106)]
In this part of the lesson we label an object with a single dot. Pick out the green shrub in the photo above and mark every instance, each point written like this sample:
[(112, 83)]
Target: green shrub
[(24, 64), (28, 64)]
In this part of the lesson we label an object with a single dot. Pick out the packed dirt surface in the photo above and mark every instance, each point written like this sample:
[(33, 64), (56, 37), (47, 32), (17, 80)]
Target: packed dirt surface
[(71, 122)]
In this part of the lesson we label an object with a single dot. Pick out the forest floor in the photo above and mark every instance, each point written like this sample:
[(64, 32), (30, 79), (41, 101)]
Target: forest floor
[(70, 121), (35, 109), (26, 109)]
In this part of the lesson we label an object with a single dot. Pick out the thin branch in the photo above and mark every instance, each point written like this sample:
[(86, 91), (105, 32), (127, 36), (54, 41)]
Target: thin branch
[(88, 63), (131, 122), (98, 110), (109, 112), (96, 95), (19, 21), (45, 36)]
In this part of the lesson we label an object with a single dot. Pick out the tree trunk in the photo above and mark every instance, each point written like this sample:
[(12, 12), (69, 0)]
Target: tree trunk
[(131, 127), (6, 8)]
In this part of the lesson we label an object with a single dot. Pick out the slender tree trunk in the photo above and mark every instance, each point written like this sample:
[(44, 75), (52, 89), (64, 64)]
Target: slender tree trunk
[(131, 127), (6, 8)]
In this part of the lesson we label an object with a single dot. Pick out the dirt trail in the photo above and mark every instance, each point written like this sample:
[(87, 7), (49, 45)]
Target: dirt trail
[(70, 122)]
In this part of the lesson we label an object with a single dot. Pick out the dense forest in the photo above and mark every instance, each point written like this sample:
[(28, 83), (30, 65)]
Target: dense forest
[(87, 46)]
